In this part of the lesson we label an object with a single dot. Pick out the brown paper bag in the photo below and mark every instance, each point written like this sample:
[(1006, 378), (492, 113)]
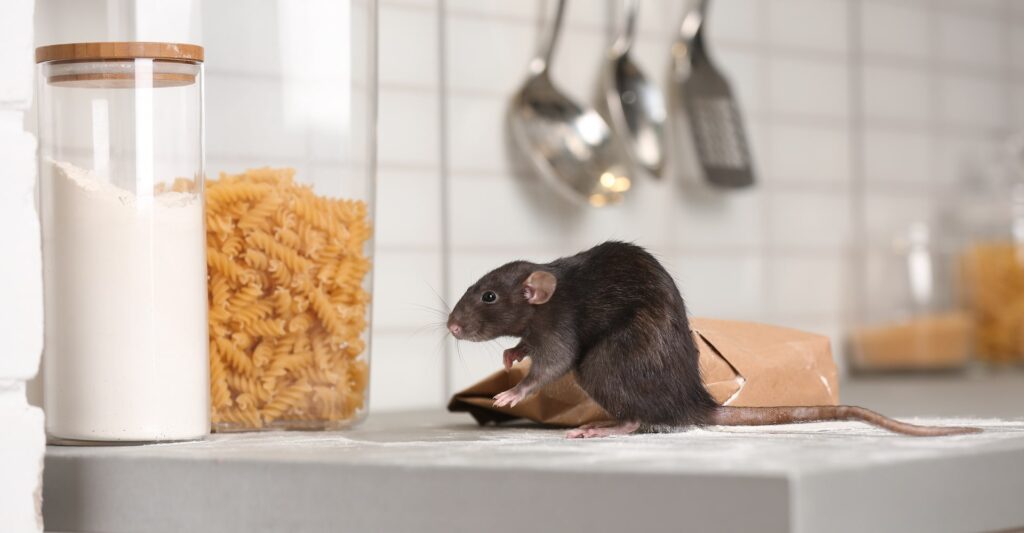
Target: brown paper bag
[(743, 364)]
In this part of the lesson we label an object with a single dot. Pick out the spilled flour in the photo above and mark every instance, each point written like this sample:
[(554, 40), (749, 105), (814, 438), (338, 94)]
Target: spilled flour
[(459, 444)]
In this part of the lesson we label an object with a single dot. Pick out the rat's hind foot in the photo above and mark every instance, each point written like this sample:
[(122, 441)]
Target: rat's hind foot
[(602, 429), (595, 425), (602, 424)]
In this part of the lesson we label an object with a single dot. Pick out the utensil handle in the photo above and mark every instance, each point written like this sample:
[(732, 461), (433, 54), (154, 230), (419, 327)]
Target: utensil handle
[(542, 61), (628, 35), (690, 30)]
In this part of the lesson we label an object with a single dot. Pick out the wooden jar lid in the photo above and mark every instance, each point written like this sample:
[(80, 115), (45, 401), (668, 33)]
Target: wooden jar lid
[(114, 78), (185, 53)]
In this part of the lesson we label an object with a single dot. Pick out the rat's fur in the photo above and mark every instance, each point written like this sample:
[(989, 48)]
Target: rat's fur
[(616, 318)]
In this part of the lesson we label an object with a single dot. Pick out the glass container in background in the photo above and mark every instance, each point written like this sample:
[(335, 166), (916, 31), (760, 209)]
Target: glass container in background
[(915, 322), (291, 147), (993, 257), (120, 130)]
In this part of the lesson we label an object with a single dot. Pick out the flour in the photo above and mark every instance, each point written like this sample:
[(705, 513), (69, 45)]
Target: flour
[(125, 283)]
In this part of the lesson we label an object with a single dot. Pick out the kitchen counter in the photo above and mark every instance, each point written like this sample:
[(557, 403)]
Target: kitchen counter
[(434, 471)]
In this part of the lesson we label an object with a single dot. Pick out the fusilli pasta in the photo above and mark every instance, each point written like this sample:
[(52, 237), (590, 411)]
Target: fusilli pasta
[(288, 307)]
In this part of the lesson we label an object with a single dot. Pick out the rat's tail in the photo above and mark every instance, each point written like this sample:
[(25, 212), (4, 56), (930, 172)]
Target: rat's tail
[(762, 416)]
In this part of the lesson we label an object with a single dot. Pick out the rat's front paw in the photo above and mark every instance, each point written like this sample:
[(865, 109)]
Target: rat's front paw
[(512, 355), (510, 397)]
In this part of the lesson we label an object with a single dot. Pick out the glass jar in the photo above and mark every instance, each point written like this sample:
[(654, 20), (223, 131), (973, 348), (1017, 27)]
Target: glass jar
[(993, 258), (121, 193), (291, 141), (912, 317)]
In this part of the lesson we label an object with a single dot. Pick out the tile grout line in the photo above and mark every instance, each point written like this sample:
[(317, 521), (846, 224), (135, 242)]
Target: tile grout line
[(934, 94), (1006, 36), (443, 142), (853, 311), (767, 129)]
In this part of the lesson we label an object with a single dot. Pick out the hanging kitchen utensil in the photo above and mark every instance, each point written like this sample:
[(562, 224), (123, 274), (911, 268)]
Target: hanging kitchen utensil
[(632, 104), (703, 104), (570, 147)]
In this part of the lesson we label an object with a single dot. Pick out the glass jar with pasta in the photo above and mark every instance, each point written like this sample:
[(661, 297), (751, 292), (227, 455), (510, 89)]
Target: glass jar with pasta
[(993, 259), (911, 317), (289, 220)]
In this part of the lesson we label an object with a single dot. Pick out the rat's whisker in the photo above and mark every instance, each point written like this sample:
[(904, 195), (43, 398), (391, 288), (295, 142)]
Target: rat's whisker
[(426, 328), (439, 297), (458, 350), (429, 327), (428, 308), (439, 346), (494, 346)]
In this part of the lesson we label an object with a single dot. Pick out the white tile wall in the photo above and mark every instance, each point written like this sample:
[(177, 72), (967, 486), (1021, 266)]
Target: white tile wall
[(487, 55), (734, 21), (809, 220), (469, 152), (22, 441), (1017, 102), (897, 156), (896, 92), (889, 217), (958, 154), (410, 54), (408, 370), (972, 39), (824, 157), (745, 68), (790, 24), (805, 286), (971, 102), (407, 288), (721, 283), (895, 29), (16, 42), (1017, 46), (731, 220), (409, 216), (408, 122), (808, 88)]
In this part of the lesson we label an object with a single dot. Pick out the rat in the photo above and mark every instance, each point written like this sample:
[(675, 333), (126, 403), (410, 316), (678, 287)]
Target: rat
[(614, 317)]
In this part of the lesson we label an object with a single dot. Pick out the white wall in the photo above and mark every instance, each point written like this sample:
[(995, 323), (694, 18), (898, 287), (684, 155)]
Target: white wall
[(22, 440)]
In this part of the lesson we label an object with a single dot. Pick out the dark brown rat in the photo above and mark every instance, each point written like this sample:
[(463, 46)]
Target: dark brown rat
[(614, 316)]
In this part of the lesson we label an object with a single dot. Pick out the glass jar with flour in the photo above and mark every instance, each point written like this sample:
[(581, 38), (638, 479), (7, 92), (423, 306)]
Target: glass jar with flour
[(124, 255)]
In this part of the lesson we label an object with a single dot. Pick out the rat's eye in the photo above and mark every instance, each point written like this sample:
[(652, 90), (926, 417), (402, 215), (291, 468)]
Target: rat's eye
[(489, 297)]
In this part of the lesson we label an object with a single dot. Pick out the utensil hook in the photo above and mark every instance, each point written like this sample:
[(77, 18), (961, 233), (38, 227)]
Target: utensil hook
[(625, 40), (541, 62), (693, 22)]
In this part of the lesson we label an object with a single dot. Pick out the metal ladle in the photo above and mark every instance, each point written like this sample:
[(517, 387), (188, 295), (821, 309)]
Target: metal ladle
[(633, 105), (570, 147)]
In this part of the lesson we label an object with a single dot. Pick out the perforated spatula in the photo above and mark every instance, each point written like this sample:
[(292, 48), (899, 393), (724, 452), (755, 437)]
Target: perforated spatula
[(704, 104)]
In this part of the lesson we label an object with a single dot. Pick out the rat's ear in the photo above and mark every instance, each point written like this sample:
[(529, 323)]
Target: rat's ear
[(539, 287)]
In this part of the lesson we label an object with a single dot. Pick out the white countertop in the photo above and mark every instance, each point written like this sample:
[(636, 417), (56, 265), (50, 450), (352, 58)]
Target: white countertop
[(434, 471)]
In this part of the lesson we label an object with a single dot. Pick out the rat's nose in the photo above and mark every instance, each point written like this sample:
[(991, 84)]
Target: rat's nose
[(455, 329)]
